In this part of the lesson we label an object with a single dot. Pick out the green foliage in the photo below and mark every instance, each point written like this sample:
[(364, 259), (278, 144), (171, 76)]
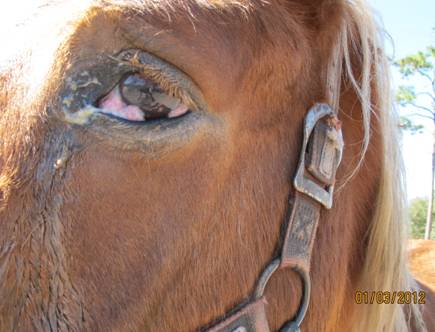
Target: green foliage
[(405, 95), (420, 62), (407, 124), (417, 215)]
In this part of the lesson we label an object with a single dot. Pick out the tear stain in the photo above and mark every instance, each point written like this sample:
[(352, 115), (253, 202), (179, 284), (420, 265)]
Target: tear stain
[(85, 79), (82, 116), (74, 85), (59, 163)]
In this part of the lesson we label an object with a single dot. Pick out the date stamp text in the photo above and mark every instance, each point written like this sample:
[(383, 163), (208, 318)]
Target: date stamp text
[(386, 297)]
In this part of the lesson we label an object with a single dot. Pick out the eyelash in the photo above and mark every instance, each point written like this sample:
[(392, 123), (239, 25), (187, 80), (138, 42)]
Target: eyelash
[(169, 86)]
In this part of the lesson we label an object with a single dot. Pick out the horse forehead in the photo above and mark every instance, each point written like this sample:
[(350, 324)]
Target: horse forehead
[(171, 5), (223, 19)]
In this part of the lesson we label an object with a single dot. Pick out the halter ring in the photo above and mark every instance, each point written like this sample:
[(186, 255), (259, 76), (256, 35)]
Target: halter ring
[(292, 325)]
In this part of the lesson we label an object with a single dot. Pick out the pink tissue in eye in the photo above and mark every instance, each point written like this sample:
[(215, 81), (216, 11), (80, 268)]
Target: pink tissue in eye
[(113, 104), (180, 110)]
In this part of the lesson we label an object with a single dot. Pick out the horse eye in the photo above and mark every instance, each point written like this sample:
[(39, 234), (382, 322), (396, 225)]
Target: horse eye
[(136, 98)]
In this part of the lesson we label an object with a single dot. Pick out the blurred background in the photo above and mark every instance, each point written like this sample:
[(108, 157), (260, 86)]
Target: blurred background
[(410, 42), (410, 32)]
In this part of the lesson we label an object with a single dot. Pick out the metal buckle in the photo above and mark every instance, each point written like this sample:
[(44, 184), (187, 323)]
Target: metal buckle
[(324, 167)]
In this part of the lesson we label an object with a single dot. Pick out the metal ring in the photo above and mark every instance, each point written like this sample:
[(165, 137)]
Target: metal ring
[(294, 325), (265, 276)]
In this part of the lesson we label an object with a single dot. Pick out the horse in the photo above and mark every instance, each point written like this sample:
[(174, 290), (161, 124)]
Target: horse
[(147, 153)]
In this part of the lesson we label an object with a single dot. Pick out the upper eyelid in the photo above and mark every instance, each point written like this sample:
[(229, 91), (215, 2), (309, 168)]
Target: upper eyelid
[(169, 86), (170, 79)]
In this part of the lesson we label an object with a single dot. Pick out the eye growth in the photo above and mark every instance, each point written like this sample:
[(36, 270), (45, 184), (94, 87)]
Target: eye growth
[(139, 99), (133, 86)]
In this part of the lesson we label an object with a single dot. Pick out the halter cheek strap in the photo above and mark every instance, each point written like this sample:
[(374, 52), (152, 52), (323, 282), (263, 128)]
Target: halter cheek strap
[(314, 186)]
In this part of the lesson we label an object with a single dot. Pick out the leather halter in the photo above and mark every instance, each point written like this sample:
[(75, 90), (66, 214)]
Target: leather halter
[(320, 157)]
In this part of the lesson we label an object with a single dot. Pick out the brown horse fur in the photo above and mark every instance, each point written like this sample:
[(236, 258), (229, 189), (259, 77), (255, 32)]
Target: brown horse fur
[(97, 236)]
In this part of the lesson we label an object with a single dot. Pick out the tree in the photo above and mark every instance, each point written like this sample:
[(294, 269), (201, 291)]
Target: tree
[(420, 65), (417, 216)]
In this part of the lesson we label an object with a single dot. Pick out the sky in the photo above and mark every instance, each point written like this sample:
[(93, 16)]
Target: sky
[(410, 25)]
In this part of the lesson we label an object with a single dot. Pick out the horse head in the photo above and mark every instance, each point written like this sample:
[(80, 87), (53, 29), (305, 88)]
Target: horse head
[(147, 152)]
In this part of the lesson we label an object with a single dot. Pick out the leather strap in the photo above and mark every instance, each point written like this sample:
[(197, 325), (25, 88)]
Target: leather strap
[(251, 318), (301, 231), (314, 185)]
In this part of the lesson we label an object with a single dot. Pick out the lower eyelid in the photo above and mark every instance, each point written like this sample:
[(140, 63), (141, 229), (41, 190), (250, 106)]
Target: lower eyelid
[(152, 140), (130, 113)]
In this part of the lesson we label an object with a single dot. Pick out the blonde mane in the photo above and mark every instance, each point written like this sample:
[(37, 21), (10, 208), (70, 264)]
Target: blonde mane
[(385, 266)]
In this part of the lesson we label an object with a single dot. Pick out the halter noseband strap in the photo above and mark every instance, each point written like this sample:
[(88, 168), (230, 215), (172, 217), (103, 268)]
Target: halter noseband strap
[(314, 186)]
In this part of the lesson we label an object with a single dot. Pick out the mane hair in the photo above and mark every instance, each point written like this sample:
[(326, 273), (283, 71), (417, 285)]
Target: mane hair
[(385, 265)]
